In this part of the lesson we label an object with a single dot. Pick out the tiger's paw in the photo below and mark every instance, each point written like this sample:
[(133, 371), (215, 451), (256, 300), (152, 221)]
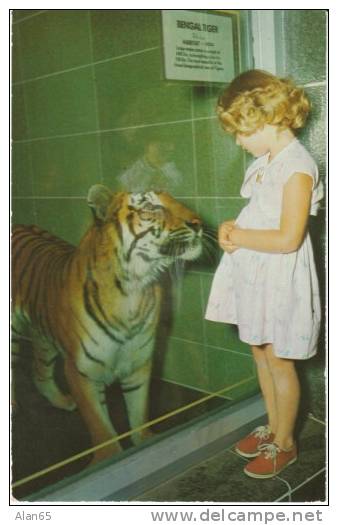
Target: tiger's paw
[(54, 395), (66, 402), (142, 436), (105, 453)]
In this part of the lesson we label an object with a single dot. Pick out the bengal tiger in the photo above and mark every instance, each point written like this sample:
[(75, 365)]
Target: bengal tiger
[(97, 304)]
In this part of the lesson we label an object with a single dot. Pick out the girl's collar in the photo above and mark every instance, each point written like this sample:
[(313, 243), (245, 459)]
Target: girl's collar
[(280, 153)]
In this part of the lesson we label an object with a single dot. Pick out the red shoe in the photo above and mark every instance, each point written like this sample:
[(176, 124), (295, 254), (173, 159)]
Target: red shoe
[(271, 461), (248, 446)]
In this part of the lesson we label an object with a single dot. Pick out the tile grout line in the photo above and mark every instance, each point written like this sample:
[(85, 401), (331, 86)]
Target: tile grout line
[(288, 493), (310, 416), (109, 130), (84, 196), (193, 134), (211, 346), (95, 92), (207, 392), (83, 66), (320, 471), (204, 335), (201, 291), (24, 96), (30, 16), (315, 84)]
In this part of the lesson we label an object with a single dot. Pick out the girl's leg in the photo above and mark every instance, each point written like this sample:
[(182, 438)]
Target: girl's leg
[(266, 382), (287, 394)]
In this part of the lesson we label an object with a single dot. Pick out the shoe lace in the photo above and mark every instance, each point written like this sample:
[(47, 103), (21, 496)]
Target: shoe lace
[(262, 432), (270, 450)]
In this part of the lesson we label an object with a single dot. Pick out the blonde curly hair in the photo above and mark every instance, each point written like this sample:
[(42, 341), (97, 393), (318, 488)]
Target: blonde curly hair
[(256, 97)]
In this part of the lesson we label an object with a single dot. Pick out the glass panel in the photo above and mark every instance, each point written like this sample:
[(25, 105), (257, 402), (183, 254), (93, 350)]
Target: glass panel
[(91, 107)]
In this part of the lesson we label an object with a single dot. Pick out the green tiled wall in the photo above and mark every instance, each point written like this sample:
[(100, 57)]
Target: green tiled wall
[(88, 93)]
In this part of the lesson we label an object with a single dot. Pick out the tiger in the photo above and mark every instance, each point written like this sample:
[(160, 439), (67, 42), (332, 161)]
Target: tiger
[(97, 304)]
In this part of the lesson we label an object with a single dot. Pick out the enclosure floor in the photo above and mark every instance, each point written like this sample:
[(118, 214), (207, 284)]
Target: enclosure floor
[(43, 436), (221, 478)]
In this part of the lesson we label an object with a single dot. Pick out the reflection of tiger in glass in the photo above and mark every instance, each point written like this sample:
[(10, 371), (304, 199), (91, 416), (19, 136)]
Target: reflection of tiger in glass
[(98, 304)]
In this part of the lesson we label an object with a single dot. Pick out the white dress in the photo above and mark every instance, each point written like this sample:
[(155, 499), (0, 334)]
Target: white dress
[(272, 297)]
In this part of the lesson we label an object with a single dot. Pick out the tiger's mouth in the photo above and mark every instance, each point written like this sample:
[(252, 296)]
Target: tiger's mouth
[(186, 249)]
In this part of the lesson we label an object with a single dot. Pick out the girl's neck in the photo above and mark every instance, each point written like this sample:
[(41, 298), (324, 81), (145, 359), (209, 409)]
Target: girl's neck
[(280, 141)]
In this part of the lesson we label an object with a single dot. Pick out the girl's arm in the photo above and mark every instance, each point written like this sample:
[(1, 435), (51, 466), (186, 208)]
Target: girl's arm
[(294, 217)]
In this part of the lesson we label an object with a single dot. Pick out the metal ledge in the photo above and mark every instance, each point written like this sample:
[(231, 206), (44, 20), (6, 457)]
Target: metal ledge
[(138, 470)]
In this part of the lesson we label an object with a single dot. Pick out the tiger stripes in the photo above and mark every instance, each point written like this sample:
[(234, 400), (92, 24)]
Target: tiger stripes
[(97, 304)]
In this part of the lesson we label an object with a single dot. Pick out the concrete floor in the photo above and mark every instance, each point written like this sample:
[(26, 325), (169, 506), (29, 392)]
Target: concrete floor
[(221, 478)]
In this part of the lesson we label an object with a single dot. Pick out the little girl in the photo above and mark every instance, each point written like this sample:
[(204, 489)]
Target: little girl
[(266, 282)]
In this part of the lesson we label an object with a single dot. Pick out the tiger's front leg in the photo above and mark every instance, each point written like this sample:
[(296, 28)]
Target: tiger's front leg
[(91, 401), (135, 390)]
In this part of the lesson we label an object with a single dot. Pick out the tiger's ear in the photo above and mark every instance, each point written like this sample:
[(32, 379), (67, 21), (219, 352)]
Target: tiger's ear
[(99, 198)]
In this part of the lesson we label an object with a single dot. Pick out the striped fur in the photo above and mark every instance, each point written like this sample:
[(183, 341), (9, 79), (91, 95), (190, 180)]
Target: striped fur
[(98, 304)]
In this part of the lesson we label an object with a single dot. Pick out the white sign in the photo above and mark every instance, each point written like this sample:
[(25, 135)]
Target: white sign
[(198, 46)]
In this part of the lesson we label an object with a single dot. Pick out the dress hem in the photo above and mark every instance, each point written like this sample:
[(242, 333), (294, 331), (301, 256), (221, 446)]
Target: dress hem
[(277, 354)]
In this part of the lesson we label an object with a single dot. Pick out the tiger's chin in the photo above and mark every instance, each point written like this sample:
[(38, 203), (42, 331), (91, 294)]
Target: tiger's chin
[(143, 274), (193, 252)]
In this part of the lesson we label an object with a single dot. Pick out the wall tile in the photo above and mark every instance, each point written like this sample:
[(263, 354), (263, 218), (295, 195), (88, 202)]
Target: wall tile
[(19, 122), (220, 163), (118, 32), (132, 93), (205, 100), (235, 373), (188, 313), (24, 211), (168, 146), (68, 219), (305, 43), (216, 210), (65, 166), (314, 133), (185, 363), (19, 14), (61, 104), (16, 54), (54, 41), (22, 183)]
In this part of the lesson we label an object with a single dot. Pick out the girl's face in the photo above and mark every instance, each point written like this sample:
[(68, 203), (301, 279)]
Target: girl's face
[(258, 143)]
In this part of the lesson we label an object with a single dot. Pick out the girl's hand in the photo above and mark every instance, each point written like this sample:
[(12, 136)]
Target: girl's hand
[(229, 248), (223, 236), (224, 229)]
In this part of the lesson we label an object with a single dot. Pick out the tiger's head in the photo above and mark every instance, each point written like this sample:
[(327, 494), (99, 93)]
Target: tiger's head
[(148, 231)]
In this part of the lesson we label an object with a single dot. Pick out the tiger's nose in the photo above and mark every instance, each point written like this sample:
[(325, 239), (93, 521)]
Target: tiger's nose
[(195, 224)]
